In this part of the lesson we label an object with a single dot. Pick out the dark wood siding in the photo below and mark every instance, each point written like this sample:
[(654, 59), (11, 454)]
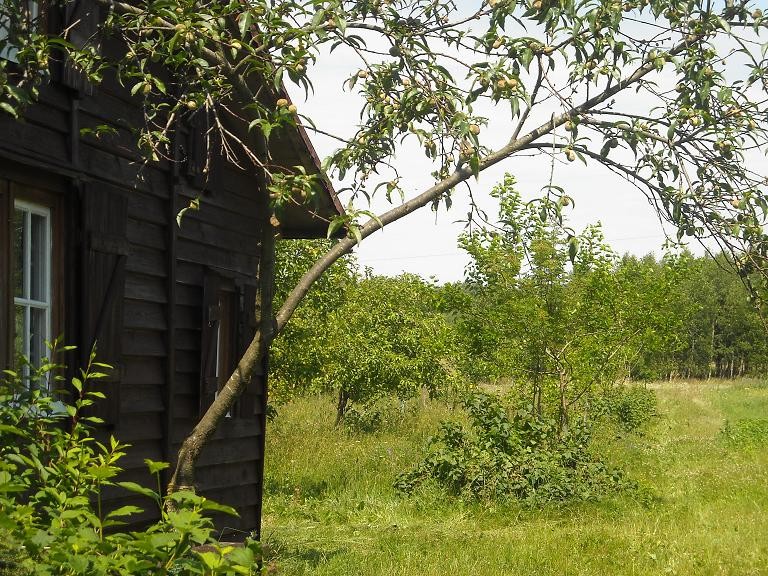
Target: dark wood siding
[(160, 271), (222, 240)]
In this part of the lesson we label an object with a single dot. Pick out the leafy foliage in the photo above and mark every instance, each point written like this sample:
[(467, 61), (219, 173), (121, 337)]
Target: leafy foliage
[(53, 474), (506, 452), (633, 406), (340, 342), (746, 432)]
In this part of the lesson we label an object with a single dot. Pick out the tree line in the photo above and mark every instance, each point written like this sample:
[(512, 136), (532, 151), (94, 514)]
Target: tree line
[(559, 313)]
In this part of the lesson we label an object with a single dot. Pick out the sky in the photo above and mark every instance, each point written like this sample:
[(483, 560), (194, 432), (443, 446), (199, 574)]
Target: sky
[(425, 243)]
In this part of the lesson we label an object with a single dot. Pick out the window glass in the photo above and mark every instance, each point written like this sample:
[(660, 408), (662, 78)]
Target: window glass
[(39, 246), (32, 292), (18, 252), (19, 331)]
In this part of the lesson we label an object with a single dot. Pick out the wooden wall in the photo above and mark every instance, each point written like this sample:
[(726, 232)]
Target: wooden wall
[(154, 329)]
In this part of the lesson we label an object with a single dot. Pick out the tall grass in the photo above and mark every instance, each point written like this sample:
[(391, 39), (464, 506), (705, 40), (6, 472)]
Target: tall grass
[(700, 507)]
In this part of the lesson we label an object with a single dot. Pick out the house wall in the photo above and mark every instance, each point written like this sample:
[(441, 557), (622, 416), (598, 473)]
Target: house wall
[(119, 216)]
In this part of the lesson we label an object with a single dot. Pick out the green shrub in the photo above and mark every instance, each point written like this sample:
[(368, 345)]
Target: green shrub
[(511, 455), (374, 415), (52, 474), (749, 432), (365, 417), (633, 406)]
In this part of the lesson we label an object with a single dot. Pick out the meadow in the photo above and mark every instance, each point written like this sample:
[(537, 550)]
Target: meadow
[(700, 505)]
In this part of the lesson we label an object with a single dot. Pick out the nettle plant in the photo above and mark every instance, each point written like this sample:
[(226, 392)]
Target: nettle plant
[(668, 94), (52, 475)]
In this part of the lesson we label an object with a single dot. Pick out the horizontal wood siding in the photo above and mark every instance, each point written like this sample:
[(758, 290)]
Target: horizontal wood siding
[(221, 237)]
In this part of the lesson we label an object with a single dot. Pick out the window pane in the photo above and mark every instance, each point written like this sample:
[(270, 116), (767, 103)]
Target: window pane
[(15, 23), (19, 331), (38, 334), (39, 257), (18, 253)]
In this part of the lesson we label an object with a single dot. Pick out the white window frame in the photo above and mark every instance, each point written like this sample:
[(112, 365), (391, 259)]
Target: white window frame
[(25, 300)]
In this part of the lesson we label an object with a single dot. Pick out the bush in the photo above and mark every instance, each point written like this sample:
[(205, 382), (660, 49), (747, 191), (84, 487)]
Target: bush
[(520, 456), (52, 474), (365, 417), (749, 432), (633, 406), (375, 415)]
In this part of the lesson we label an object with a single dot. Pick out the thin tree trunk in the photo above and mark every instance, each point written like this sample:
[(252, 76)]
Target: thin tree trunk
[(563, 420), (254, 356), (341, 406)]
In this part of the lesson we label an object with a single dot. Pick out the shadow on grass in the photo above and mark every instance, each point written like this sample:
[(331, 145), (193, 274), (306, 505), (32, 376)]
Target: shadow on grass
[(303, 488), (307, 556)]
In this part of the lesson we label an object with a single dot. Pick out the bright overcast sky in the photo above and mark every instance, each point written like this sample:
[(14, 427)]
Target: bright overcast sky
[(425, 243)]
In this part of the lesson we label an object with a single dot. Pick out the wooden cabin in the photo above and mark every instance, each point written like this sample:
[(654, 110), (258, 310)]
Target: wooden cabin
[(90, 248)]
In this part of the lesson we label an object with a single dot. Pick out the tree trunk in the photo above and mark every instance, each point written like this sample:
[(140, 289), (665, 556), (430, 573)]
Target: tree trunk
[(563, 420), (254, 356), (341, 406)]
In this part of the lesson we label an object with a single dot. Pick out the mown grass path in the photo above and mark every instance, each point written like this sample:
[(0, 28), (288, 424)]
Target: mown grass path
[(702, 505)]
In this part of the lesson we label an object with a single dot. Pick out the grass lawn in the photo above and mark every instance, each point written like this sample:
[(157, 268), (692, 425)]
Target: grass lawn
[(702, 505)]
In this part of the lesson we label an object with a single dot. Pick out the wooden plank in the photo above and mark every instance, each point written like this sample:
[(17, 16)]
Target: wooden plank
[(230, 428), (146, 208), (187, 362), (131, 174), (48, 117), (171, 287), (144, 343), (34, 141), (241, 223), (188, 294), (136, 427), (228, 475), (6, 302), (146, 315), (189, 274), (229, 450), (188, 339), (217, 258), (187, 383), (189, 317), (147, 288), (143, 371), (235, 496), (185, 406), (138, 452), (144, 233), (138, 398), (218, 194), (213, 235), (146, 261)]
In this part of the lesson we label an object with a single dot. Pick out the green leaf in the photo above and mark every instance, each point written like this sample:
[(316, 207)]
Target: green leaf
[(334, 226), (124, 511), (102, 472), (355, 230), (155, 467), (244, 22), (138, 489), (10, 109)]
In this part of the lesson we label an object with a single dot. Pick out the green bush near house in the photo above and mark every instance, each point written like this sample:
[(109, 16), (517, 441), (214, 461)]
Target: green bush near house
[(52, 475)]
